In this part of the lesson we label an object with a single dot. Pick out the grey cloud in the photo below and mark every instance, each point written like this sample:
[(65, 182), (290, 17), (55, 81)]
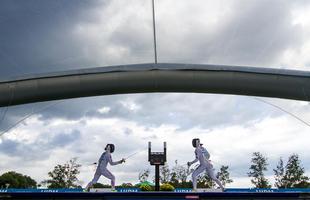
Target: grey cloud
[(264, 30), (63, 139), (10, 115), (8, 147), (253, 33), (128, 131), (36, 35), (206, 110), (38, 149), (23, 151)]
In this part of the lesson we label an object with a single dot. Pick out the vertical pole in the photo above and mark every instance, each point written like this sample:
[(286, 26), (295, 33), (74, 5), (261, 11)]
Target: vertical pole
[(156, 177), (165, 151), (154, 33), (149, 151)]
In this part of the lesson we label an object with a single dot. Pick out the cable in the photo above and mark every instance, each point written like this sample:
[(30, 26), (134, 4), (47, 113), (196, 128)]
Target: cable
[(9, 103), (287, 112), (26, 117), (154, 33)]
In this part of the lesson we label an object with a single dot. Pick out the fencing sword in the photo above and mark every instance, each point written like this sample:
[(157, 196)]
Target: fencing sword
[(131, 155)]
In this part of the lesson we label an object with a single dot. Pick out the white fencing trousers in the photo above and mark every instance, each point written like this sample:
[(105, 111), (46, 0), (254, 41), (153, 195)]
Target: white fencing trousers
[(210, 172), (104, 172)]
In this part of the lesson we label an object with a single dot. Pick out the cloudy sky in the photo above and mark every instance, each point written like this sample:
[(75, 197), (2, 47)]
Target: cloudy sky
[(38, 36)]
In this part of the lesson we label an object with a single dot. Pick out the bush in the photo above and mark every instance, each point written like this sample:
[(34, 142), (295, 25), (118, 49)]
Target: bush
[(166, 187), (100, 185), (145, 187), (13, 179), (127, 185)]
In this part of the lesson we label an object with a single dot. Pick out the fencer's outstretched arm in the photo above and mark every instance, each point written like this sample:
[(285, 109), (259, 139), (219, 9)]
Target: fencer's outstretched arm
[(192, 162), (115, 163)]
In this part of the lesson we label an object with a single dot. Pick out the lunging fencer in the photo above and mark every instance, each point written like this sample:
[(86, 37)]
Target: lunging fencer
[(104, 159), (202, 155)]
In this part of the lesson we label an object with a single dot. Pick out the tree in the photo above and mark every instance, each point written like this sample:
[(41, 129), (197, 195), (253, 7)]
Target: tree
[(279, 175), (143, 176), (164, 174), (223, 175), (64, 176), (294, 173), (16, 180), (100, 185), (259, 165), (204, 181), (127, 185), (178, 173), (173, 179)]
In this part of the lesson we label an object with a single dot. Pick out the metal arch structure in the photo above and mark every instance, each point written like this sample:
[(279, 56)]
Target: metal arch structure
[(161, 77)]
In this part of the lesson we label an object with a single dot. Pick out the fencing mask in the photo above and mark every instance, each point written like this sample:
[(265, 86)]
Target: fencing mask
[(112, 147), (195, 142)]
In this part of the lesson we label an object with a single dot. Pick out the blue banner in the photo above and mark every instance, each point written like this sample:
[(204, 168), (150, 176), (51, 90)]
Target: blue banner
[(178, 190), (128, 189), (183, 190), (40, 190), (262, 190)]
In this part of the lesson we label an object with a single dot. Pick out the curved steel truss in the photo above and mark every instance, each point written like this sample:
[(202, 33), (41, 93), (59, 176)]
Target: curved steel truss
[(161, 77)]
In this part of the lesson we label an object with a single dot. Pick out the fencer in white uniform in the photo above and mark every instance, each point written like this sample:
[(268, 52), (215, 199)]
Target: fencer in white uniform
[(202, 155), (104, 159)]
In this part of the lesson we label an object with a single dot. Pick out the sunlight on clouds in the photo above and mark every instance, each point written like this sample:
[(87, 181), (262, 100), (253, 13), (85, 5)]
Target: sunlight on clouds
[(130, 105), (104, 110), (301, 15), (297, 57)]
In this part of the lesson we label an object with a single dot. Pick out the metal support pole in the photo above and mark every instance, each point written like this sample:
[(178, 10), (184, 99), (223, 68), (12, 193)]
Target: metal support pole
[(149, 149), (156, 177), (154, 33)]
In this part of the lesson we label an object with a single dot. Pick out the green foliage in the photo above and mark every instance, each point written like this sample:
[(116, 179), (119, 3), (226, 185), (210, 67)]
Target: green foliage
[(127, 185), (223, 175), (145, 187), (259, 165), (302, 184), (178, 174), (187, 184), (100, 185), (164, 174), (166, 187), (279, 175), (64, 176), (294, 173), (16, 180), (143, 176), (204, 181)]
